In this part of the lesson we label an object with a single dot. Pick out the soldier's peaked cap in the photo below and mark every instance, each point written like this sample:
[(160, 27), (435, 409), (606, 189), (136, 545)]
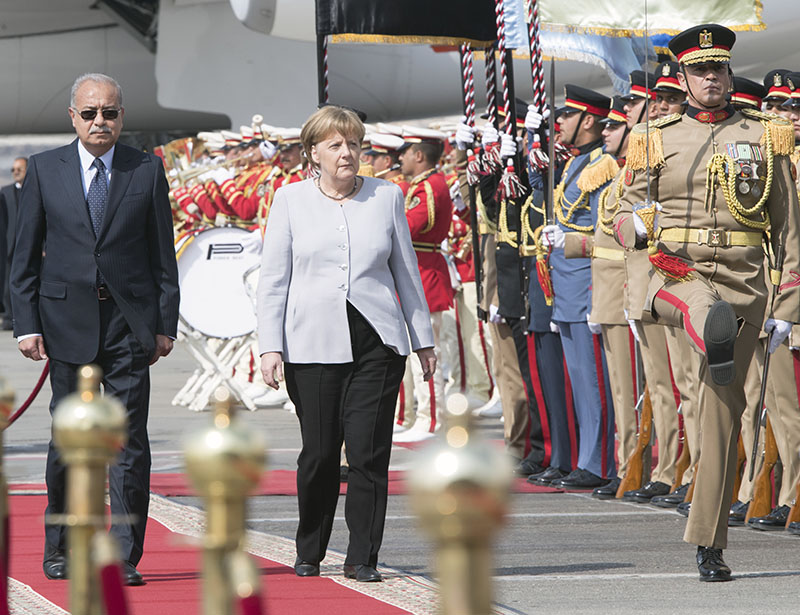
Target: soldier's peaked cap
[(775, 82), (617, 114), (792, 81), (747, 92), (706, 43), (667, 76), (641, 81), (584, 99)]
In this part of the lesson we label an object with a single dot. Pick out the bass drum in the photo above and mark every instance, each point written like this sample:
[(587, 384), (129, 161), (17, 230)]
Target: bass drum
[(211, 268)]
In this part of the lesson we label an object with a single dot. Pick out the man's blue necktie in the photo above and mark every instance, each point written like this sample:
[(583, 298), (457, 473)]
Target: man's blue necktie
[(97, 197)]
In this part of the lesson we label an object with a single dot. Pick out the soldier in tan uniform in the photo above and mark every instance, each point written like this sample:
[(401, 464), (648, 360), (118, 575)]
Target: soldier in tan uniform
[(652, 337), (782, 403), (606, 315), (719, 180)]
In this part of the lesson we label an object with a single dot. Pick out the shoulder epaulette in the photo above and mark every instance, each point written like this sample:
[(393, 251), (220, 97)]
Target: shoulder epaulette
[(600, 171), (665, 121), (780, 130), (595, 154), (639, 142)]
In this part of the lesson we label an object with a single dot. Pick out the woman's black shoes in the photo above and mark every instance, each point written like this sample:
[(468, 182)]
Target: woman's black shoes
[(362, 573)]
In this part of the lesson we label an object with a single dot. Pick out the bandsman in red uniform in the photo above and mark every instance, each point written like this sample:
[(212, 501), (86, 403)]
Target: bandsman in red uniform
[(428, 210), (383, 155), (289, 170)]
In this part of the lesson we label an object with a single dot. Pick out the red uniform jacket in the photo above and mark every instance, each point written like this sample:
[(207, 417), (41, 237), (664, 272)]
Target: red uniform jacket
[(429, 210)]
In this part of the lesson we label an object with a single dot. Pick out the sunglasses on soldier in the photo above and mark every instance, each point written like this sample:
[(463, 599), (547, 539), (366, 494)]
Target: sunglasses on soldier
[(90, 114)]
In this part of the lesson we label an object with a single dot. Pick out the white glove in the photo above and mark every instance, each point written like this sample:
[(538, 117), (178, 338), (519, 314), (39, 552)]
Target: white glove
[(533, 119), (268, 149), (639, 226), (494, 315), (221, 175), (780, 331), (508, 146), (465, 135), (489, 134), (553, 236), (594, 328), (634, 330), (458, 201), (554, 327)]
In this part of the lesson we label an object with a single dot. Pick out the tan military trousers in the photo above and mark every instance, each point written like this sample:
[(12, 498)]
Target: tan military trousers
[(783, 409), (686, 305), (752, 391), (665, 412), (617, 345), (685, 364), (508, 379)]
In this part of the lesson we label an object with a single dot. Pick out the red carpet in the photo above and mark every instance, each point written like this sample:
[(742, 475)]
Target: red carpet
[(284, 482), (172, 573)]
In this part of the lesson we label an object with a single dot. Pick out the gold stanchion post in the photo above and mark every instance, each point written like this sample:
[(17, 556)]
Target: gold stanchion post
[(460, 491), (6, 408), (224, 463), (88, 430)]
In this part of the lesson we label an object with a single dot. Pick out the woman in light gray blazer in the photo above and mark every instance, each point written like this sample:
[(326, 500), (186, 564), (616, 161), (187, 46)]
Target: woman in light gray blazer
[(338, 299)]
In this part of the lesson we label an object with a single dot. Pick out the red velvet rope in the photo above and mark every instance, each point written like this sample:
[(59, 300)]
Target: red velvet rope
[(112, 590), (250, 605), (32, 396)]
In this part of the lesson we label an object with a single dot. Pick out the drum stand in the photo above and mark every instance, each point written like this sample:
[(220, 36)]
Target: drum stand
[(216, 368)]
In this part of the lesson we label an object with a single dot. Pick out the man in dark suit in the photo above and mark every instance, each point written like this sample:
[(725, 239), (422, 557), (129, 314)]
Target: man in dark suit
[(94, 280), (9, 198)]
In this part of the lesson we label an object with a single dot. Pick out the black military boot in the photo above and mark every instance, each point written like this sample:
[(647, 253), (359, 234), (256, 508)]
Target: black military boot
[(719, 336), (711, 565)]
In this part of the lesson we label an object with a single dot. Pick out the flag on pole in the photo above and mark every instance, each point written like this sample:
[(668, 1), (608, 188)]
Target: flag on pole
[(614, 18), (617, 55), (433, 22)]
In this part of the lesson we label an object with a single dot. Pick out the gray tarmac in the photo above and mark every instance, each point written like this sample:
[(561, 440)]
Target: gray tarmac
[(558, 553)]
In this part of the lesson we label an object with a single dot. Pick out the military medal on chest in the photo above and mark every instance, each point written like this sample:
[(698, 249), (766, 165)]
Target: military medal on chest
[(749, 168)]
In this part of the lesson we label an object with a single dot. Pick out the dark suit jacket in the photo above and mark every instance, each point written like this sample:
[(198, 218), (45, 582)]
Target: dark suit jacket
[(56, 294), (8, 217)]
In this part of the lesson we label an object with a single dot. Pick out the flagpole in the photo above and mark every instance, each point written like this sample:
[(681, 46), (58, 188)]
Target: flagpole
[(468, 88), (322, 69)]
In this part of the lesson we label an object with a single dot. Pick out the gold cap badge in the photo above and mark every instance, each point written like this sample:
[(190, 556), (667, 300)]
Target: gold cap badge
[(705, 40), (790, 83), (776, 80), (665, 70)]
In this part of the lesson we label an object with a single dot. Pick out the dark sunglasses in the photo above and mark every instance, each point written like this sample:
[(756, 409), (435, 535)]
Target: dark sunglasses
[(90, 114)]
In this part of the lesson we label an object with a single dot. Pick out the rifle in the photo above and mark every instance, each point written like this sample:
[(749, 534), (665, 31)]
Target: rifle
[(636, 472), (794, 513), (684, 460), (761, 504), (741, 459), (761, 412)]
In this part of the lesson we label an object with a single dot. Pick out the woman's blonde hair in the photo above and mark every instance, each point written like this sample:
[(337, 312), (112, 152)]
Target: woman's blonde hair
[(326, 121)]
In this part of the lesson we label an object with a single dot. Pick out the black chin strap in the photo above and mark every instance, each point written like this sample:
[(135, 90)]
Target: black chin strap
[(577, 128), (689, 89)]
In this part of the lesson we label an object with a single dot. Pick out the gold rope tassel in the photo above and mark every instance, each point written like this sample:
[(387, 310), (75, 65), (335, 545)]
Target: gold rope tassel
[(782, 136), (597, 174), (637, 148)]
